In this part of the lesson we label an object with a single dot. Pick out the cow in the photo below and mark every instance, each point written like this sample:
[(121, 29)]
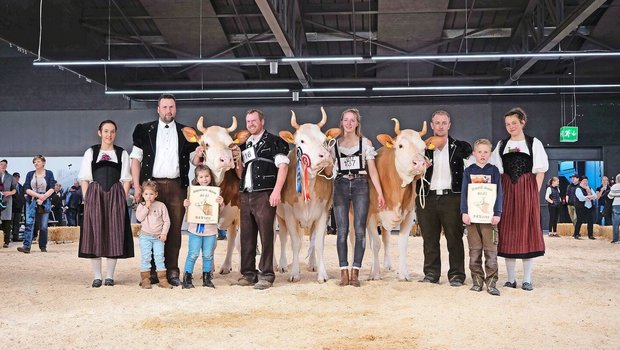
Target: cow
[(307, 192), (400, 162), (217, 147)]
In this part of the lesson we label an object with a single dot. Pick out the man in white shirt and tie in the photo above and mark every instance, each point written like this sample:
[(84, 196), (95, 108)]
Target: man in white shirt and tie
[(162, 154)]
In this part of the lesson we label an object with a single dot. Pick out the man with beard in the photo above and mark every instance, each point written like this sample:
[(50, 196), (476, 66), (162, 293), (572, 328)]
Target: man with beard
[(161, 153)]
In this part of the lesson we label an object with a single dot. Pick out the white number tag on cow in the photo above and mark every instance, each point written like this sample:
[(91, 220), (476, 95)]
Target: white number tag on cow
[(350, 163), (249, 154)]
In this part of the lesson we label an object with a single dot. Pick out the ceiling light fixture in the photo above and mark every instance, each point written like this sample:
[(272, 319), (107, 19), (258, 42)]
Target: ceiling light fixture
[(180, 92), (322, 59), (496, 87), (494, 56), (153, 62), (343, 89)]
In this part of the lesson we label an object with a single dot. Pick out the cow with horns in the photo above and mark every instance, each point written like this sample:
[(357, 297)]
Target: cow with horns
[(216, 144), (307, 193), (400, 162)]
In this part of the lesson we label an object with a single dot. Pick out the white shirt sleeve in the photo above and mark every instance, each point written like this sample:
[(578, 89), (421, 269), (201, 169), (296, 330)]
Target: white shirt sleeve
[(281, 159), (496, 159), (136, 153), (540, 161), (368, 150), (86, 172), (126, 165), (548, 194)]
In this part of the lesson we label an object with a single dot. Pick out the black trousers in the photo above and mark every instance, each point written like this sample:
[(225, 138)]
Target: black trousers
[(257, 217), (584, 216), (172, 194), (442, 212), (5, 226), (17, 219), (554, 213)]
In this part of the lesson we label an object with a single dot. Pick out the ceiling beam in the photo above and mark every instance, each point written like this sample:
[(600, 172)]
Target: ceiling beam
[(569, 24), (284, 20)]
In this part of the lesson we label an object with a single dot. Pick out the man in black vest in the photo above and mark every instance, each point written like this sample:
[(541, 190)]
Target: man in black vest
[(571, 198), (442, 207), (262, 168), (162, 154)]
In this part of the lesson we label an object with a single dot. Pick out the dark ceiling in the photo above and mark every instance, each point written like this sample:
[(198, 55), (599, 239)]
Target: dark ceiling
[(132, 29)]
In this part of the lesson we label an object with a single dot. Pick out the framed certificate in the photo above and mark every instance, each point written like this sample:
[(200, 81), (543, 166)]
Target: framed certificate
[(480, 202), (203, 207)]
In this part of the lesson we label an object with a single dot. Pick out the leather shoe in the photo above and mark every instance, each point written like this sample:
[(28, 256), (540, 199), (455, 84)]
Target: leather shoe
[(511, 284), (591, 237), (527, 286), (476, 288), (493, 291), (109, 282), (175, 281), (23, 250), (262, 284), (429, 279), (43, 250), (244, 282), (96, 283), (455, 282), (5, 245)]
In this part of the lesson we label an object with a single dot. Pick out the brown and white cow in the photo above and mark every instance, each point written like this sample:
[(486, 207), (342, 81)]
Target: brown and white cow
[(218, 144), (400, 162), (309, 208)]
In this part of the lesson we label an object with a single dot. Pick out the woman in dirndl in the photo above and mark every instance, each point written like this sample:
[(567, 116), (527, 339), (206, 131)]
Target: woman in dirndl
[(105, 179), (522, 160)]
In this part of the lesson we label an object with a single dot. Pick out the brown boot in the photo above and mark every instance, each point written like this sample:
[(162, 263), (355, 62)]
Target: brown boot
[(145, 279), (344, 277), (355, 275), (163, 281)]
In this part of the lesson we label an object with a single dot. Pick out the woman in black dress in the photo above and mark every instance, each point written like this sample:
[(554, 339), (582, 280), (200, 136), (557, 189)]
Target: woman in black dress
[(105, 180)]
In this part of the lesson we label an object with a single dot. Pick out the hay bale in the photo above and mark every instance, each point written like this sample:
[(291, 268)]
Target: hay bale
[(606, 232), (63, 234), (135, 229), (599, 231)]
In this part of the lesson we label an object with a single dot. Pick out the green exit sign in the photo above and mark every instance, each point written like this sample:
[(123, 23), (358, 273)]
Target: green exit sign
[(569, 134)]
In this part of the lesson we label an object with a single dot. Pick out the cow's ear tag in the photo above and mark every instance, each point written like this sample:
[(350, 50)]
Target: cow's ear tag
[(287, 136), (386, 140)]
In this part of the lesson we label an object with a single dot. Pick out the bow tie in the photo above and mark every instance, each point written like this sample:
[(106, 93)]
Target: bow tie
[(167, 126)]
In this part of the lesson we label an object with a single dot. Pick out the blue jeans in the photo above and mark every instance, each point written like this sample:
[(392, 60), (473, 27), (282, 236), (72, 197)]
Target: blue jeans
[(353, 192), (72, 217), (615, 220), (221, 234), (194, 245), (31, 217), (150, 245)]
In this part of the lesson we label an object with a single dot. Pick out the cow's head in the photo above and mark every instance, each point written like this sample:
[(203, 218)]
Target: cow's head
[(312, 142), (217, 145), (408, 150)]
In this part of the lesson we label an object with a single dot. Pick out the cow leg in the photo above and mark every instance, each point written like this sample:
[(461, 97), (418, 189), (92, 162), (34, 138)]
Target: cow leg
[(319, 240), (311, 252), (232, 238), (375, 243), (282, 266), (385, 237), (403, 241), (293, 231)]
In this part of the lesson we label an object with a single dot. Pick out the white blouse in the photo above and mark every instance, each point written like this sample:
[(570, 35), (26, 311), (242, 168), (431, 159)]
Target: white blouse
[(541, 162), (86, 173)]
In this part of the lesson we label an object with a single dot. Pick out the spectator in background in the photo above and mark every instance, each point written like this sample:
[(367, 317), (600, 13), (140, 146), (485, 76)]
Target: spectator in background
[(18, 207), (583, 206), (56, 198), (7, 188), (570, 197), (39, 186), (614, 193), (554, 203), (74, 199), (604, 203)]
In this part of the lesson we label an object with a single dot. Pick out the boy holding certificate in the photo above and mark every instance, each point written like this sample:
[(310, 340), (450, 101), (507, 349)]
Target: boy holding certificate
[(481, 208)]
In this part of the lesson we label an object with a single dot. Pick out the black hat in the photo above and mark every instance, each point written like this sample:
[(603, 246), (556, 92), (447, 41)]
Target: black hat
[(16, 174), (575, 175)]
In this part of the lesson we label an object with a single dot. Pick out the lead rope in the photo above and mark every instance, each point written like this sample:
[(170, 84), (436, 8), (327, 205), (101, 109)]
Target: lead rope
[(421, 190)]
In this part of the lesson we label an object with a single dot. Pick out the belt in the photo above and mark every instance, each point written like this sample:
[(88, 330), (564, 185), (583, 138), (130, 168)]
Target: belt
[(440, 192), (165, 179), (352, 176)]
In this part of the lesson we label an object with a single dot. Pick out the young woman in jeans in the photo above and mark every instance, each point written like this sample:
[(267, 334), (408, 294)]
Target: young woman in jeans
[(355, 162)]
